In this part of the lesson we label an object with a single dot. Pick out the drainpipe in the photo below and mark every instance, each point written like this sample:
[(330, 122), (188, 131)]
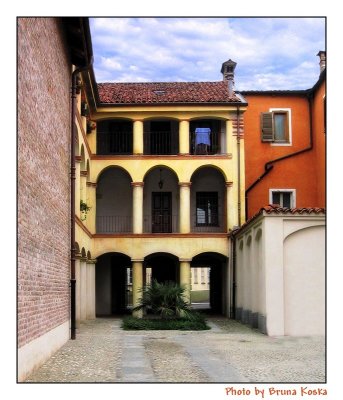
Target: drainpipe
[(239, 168), (233, 256), (269, 165), (72, 202)]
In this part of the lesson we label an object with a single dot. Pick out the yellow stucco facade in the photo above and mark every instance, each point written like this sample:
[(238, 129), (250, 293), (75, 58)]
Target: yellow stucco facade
[(131, 174)]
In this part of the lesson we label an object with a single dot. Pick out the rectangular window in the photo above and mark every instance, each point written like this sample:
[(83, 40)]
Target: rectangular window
[(275, 126), (282, 197), (207, 209)]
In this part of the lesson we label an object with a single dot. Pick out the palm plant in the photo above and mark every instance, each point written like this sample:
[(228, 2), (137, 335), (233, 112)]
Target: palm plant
[(167, 300)]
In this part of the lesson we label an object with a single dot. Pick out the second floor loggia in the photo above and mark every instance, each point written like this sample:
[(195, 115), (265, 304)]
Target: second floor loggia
[(205, 136)]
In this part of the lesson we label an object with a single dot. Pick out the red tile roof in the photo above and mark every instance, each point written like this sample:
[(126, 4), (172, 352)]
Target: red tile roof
[(276, 209), (166, 92)]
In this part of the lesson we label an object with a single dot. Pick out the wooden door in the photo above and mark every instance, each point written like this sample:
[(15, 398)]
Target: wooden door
[(161, 212)]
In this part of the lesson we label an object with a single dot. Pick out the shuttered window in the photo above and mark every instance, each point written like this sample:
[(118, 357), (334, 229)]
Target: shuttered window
[(274, 127)]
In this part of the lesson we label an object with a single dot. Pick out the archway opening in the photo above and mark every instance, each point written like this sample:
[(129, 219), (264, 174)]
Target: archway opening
[(113, 279), (162, 267), (208, 282)]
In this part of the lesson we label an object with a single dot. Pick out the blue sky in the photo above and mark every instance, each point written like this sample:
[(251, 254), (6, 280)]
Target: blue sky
[(271, 53)]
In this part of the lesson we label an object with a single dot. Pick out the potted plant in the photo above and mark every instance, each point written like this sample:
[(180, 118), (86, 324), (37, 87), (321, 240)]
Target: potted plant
[(84, 208)]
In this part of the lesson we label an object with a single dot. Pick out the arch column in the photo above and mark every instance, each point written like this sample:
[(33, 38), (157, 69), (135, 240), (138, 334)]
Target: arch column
[(78, 288), (90, 285), (137, 204), (185, 207), (91, 216), (137, 284), (184, 137), (185, 278), (138, 143), (83, 289), (231, 207), (83, 189), (77, 185), (229, 136)]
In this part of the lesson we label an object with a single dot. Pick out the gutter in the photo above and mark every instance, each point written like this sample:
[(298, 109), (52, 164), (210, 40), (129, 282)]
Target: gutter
[(72, 201), (269, 165)]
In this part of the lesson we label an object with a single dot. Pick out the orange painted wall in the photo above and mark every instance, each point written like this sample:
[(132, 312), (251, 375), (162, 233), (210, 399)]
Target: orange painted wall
[(319, 139), (299, 172)]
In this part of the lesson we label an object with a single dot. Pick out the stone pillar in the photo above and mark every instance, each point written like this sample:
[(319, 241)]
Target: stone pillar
[(231, 207), (138, 143), (90, 284), (91, 215), (83, 191), (78, 288), (229, 136), (137, 284), (185, 207), (185, 278), (137, 212), (77, 185), (184, 137), (83, 289)]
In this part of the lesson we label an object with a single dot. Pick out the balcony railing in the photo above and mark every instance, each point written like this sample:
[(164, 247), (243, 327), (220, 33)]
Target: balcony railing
[(114, 143), (159, 223), (160, 142), (114, 224), (204, 149), (209, 223)]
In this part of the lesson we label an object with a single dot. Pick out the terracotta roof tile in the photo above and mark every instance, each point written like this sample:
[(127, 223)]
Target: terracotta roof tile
[(166, 92), (276, 209)]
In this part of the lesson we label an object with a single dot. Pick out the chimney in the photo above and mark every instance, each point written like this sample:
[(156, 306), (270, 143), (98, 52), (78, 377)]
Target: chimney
[(322, 60), (228, 68)]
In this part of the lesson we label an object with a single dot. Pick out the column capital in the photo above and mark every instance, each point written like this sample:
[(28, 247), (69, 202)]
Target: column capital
[(92, 261), (78, 256), (138, 120), (137, 184), (78, 159), (83, 173), (184, 119), (188, 260), (185, 184), (140, 260), (228, 184), (91, 184)]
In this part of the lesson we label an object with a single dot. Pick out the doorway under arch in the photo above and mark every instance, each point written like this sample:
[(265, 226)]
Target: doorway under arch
[(209, 269), (113, 277)]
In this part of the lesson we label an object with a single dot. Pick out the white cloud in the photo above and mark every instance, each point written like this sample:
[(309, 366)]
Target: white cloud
[(193, 49)]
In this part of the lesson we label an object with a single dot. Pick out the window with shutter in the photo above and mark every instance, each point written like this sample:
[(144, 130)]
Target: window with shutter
[(267, 127), (275, 126)]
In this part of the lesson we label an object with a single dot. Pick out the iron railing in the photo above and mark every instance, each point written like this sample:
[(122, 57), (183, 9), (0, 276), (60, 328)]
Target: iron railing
[(161, 142), (209, 223), (114, 224), (161, 223), (114, 143)]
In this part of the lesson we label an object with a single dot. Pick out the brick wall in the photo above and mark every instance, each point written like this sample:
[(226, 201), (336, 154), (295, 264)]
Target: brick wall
[(43, 178)]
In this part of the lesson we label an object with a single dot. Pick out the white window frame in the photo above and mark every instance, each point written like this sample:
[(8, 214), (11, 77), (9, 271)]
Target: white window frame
[(289, 113), (292, 191)]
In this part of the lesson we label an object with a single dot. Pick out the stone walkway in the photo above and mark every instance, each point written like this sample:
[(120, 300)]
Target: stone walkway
[(228, 353)]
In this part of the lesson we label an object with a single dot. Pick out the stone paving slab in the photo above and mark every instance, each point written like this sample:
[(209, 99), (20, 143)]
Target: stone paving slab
[(228, 353)]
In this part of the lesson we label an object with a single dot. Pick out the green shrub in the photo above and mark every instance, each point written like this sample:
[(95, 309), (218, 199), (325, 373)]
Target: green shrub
[(196, 323), (166, 300)]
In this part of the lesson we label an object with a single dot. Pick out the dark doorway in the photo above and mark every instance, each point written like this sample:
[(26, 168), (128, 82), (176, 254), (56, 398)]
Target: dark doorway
[(215, 263), (112, 284), (164, 267), (161, 212)]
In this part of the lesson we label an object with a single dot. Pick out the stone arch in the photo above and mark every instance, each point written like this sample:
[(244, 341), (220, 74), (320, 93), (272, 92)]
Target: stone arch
[(83, 158), (101, 172), (89, 256), (83, 253)]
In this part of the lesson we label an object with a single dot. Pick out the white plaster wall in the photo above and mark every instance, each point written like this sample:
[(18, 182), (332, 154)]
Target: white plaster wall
[(35, 353), (304, 282), (103, 286)]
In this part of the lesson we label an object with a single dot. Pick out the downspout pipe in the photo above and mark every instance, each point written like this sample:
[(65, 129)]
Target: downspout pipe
[(269, 165), (238, 168), (72, 201)]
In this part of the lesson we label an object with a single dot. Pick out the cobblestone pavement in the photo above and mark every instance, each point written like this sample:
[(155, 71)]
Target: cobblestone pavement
[(228, 353)]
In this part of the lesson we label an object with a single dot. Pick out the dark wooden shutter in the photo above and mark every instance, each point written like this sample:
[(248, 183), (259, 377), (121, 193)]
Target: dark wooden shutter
[(267, 131)]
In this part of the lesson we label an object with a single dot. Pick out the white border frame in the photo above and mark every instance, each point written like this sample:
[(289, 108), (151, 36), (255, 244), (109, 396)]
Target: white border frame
[(289, 111), (293, 197)]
